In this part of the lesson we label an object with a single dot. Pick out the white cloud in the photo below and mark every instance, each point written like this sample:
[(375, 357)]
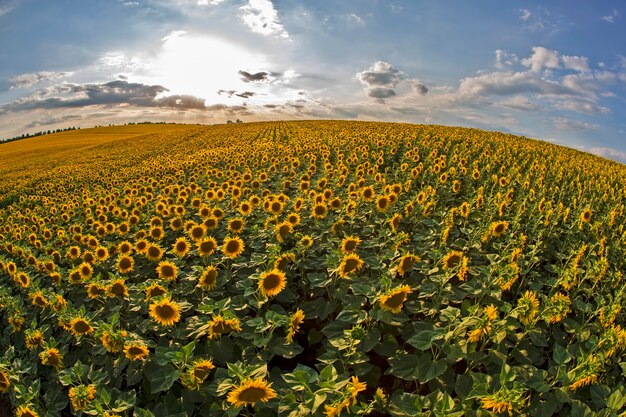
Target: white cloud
[(28, 80), (505, 59), (261, 17), (510, 83), (565, 123), (356, 19), (611, 17), (576, 63), (519, 103), (525, 14), (542, 58), (608, 153)]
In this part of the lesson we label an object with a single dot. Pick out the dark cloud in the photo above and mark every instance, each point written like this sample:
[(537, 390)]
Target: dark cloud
[(419, 87), (229, 93), (112, 93), (380, 92), (245, 94), (256, 77), (230, 110), (52, 120)]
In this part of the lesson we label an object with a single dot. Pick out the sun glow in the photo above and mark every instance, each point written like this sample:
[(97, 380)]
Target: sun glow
[(204, 65)]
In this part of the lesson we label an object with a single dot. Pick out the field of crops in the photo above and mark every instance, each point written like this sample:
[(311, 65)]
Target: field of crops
[(310, 268)]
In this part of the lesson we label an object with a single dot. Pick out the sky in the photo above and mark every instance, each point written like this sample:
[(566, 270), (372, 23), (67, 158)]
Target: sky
[(549, 70)]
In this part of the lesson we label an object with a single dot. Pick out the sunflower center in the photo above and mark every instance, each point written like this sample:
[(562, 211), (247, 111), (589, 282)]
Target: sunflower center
[(206, 247), (453, 260), (53, 359), (165, 312), (167, 271), (232, 246), (125, 263), (210, 277), (40, 301), (351, 264), (136, 351), (320, 210), (81, 327), (181, 246), (271, 281), (236, 224), (396, 300), (155, 292), (201, 372), (499, 228), (252, 394), (154, 252), (118, 289), (283, 230), (350, 245), (197, 232), (407, 263)]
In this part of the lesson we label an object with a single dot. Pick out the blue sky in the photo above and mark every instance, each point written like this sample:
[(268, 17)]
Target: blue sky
[(550, 70)]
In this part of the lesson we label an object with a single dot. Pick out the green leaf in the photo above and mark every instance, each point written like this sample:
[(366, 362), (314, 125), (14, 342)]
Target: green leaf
[(140, 412), (404, 366), (560, 355), (428, 369), (161, 378), (422, 340)]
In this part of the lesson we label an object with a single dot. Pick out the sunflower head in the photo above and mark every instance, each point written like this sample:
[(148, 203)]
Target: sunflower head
[(80, 326), (498, 228), (206, 246), (394, 299), (350, 263), (181, 247), (136, 351), (232, 247), (220, 325), (283, 230), (406, 263), (155, 290), (272, 283), (165, 312), (167, 270), (350, 244), (5, 382), (125, 264), (585, 216), (208, 279), (117, 288), (26, 411), (382, 203), (452, 259), (251, 391), (52, 357)]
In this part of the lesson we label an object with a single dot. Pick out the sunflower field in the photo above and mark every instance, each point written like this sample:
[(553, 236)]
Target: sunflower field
[(321, 268)]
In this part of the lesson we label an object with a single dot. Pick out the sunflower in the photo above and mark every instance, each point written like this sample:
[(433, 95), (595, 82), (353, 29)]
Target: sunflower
[(206, 246), (113, 341), (34, 339), (208, 279), (197, 232), (136, 351), (294, 325), (394, 222), (306, 241), (157, 233), (294, 219), (283, 230), (155, 290), (125, 264), (406, 263), (101, 253), (319, 211), (585, 216), (235, 226), (22, 279), (197, 373), (354, 387), (272, 283), (165, 312), (5, 383), (85, 270), (80, 326), (52, 357), (95, 291), (367, 193), (284, 260), (245, 208), (219, 326), (465, 209), (117, 288), (350, 243), (26, 411), (232, 247), (528, 305), (38, 299), (181, 247), (394, 299), (73, 252), (491, 312), (167, 270), (350, 263), (452, 259), (154, 252), (141, 246), (81, 396), (382, 203), (251, 391), (498, 228)]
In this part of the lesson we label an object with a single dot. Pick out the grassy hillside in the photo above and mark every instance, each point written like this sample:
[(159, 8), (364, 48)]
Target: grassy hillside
[(316, 267)]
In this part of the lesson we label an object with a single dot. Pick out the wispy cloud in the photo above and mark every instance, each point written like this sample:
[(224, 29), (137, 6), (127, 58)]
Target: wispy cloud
[(611, 18), (8, 6), (30, 79)]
